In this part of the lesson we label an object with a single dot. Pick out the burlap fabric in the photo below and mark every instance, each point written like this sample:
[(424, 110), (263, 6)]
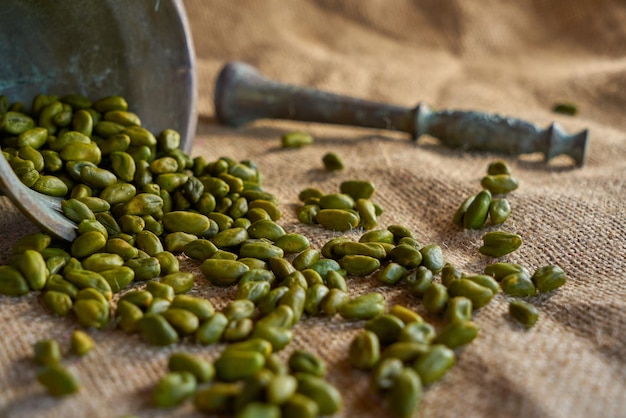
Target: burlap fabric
[(492, 56)]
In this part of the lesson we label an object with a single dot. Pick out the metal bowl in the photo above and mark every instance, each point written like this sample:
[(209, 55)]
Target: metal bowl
[(140, 49)]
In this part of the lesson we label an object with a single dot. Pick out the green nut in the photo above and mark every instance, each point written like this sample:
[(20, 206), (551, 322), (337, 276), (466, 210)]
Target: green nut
[(357, 189), (102, 261), (327, 397), (406, 255), (436, 298), (499, 211), (391, 273), (292, 243), (548, 278), (181, 282), (89, 279), (296, 139), (234, 365), (518, 284), (417, 332), (500, 270), (183, 321), (405, 395), (201, 369), (523, 312), (314, 297), (216, 398), (281, 388), (478, 294), (499, 243), (432, 257), (32, 267), (47, 352), (261, 250), (457, 333), (419, 280), (406, 351), (459, 309), (14, 283), (58, 302), (387, 328), (499, 183), (88, 243), (386, 373), (58, 381), (359, 265), (211, 330), (301, 361), (366, 306), (477, 211), (433, 365), (145, 268), (81, 343), (188, 222), (223, 272), (91, 313), (156, 330), (332, 162), (364, 351), (127, 314), (337, 219), (202, 308), (173, 389)]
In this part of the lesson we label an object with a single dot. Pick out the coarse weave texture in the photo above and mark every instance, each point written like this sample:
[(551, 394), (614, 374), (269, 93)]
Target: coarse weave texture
[(510, 58)]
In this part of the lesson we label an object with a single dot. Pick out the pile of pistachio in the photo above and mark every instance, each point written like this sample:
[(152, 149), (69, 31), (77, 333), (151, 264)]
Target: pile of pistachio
[(141, 205)]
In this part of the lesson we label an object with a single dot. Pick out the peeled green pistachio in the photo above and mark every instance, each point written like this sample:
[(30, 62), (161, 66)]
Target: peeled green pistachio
[(523, 312), (327, 397), (173, 389), (47, 352), (364, 352), (306, 362), (477, 211), (155, 329), (405, 394), (81, 343), (58, 380), (434, 364), (548, 278), (499, 243), (499, 183)]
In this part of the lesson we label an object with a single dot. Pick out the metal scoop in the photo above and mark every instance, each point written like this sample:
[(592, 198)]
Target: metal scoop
[(243, 95), (140, 49)]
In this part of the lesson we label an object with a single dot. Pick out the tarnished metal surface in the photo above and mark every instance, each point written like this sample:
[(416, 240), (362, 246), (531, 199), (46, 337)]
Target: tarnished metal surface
[(140, 49), (242, 95)]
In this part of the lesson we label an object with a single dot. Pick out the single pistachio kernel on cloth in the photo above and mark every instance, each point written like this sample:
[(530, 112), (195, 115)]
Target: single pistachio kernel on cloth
[(523, 312), (499, 211), (81, 343), (58, 381), (477, 211), (500, 243), (364, 351), (565, 108), (498, 167), (405, 395), (332, 162), (548, 278), (47, 352), (499, 183), (296, 139)]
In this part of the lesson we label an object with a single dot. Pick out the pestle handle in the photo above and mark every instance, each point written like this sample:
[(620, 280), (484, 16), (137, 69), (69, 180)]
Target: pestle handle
[(243, 94)]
